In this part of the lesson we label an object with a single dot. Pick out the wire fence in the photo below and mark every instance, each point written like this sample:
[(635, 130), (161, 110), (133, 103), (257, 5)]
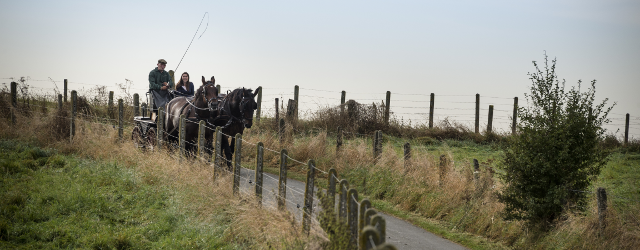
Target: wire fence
[(118, 124), (412, 109)]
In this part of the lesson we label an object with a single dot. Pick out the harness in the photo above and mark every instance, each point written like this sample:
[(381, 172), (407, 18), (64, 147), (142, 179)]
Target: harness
[(226, 108), (210, 107)]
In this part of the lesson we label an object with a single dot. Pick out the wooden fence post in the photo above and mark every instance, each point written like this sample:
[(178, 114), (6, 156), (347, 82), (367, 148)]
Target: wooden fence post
[(282, 180), (277, 121), (291, 111), (476, 175), (201, 139), (342, 204), (375, 146), (14, 94), (59, 101), (490, 122), (476, 169), (364, 205), (602, 208), (281, 131), (352, 214), (626, 130), (65, 90), (369, 239), (338, 140), (217, 153), (308, 196), (259, 170), (110, 107), (380, 224), (172, 77), (380, 142), (296, 92), (331, 190), (431, 107), (237, 155), (160, 129), (259, 103), (181, 136), (136, 104), (14, 101), (343, 96), (387, 107), (368, 214), (443, 165), (74, 105), (407, 156), (219, 88), (477, 113), (515, 116), (120, 119)]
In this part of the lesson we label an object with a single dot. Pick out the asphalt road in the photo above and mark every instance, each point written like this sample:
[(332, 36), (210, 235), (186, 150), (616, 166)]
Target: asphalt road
[(400, 233)]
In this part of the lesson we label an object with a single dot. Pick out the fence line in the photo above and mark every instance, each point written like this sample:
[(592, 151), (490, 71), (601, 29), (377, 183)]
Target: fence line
[(120, 126), (307, 226), (181, 141), (410, 114)]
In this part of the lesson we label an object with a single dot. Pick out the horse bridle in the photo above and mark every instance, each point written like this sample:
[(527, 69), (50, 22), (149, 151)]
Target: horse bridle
[(211, 100), (243, 104)]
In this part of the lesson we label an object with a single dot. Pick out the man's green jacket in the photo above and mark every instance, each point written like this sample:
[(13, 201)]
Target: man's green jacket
[(157, 77)]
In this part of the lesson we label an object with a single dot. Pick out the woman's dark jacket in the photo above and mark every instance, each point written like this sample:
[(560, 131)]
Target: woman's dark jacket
[(186, 92)]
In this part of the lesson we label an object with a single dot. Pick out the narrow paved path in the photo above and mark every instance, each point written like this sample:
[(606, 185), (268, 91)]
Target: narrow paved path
[(400, 233)]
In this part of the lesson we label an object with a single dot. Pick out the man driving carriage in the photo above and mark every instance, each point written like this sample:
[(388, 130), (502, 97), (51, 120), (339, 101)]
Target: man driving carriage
[(160, 83)]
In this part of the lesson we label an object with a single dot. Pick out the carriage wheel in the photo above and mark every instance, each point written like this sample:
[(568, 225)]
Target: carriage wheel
[(151, 138), (136, 137)]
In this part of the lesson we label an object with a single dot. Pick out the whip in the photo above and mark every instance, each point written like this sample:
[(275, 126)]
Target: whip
[(194, 36)]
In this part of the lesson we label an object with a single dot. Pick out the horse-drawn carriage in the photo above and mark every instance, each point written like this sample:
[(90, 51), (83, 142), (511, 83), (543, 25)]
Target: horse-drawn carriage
[(232, 112)]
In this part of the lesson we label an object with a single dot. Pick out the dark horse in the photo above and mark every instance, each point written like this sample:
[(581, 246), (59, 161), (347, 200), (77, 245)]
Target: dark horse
[(237, 109), (202, 106)]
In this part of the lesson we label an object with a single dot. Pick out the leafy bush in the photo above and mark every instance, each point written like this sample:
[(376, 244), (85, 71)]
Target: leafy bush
[(551, 161)]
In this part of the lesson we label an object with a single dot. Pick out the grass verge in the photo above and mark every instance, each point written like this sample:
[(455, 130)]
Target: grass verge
[(55, 201)]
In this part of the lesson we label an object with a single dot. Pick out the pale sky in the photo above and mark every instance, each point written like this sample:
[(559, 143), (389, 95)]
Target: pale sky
[(454, 49)]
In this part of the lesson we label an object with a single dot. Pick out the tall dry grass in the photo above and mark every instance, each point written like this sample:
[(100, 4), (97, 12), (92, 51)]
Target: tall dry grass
[(253, 226), (457, 200)]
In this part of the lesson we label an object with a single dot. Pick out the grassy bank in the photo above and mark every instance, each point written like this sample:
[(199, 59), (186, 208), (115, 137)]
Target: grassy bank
[(448, 201), (50, 200), (102, 193)]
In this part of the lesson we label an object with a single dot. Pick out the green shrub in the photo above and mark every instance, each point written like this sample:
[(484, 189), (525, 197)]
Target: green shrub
[(550, 163)]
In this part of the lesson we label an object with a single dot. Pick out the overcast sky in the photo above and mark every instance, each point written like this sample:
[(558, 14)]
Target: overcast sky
[(454, 49)]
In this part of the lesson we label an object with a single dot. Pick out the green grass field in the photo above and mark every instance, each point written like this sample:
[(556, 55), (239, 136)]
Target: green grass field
[(50, 200)]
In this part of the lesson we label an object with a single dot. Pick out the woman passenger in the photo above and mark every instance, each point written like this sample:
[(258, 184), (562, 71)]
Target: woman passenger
[(185, 87)]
